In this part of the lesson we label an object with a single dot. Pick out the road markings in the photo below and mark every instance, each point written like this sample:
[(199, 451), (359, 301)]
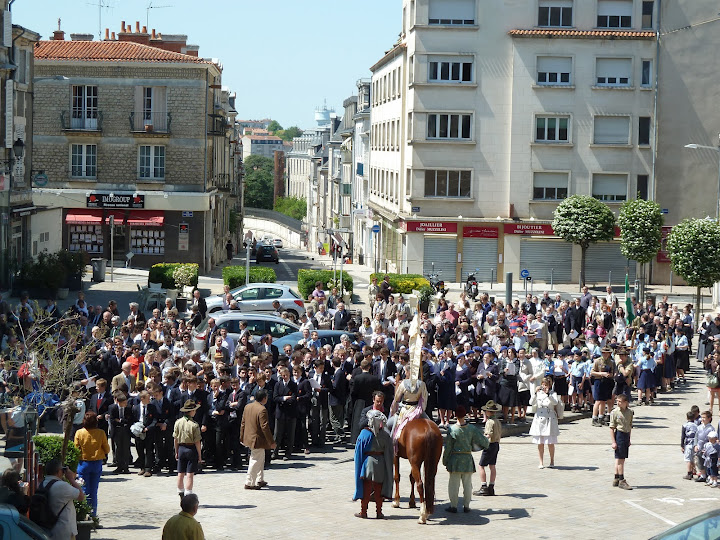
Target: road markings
[(705, 499), (650, 512)]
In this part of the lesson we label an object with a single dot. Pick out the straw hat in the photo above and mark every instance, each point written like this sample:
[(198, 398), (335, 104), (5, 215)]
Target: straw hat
[(492, 406), (190, 405)]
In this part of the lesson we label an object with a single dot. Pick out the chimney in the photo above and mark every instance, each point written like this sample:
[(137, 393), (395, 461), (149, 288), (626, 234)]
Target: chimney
[(107, 34), (137, 27), (144, 30), (192, 50), (138, 37), (171, 42), (58, 35), (123, 26), (112, 36), (154, 36), (81, 37)]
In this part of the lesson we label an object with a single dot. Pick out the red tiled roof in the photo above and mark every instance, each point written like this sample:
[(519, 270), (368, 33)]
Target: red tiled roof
[(262, 138), (109, 51), (582, 34)]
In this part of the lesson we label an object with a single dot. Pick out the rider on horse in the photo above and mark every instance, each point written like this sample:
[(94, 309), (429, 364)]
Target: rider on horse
[(409, 403)]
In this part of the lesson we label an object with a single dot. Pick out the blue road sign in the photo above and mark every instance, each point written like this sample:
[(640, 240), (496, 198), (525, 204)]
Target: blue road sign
[(524, 273), (376, 229)]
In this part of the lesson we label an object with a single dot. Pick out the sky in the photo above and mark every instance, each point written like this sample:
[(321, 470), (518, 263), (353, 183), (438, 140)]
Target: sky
[(283, 58)]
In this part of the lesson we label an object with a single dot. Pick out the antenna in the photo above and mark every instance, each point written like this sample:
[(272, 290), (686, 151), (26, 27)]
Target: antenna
[(100, 5), (147, 12)]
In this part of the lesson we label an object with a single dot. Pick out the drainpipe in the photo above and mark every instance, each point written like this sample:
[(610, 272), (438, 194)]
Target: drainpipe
[(651, 192), (205, 135)]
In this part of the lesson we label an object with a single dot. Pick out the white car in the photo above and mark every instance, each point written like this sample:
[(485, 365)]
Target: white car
[(277, 243)]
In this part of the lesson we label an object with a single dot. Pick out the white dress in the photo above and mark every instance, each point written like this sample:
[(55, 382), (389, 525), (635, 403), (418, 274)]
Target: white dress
[(544, 428)]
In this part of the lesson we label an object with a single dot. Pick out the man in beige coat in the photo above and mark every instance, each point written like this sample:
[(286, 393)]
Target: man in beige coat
[(256, 435)]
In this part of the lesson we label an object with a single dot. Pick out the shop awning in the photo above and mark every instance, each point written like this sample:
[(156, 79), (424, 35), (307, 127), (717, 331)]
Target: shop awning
[(337, 239), (84, 217), (119, 217), (146, 218)]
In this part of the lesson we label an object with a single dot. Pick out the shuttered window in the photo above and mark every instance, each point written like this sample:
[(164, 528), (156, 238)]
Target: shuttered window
[(613, 71), (554, 70), (451, 12), (611, 130), (550, 186), (610, 187)]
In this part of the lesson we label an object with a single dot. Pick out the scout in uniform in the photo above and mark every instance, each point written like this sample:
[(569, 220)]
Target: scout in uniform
[(621, 419), (187, 447)]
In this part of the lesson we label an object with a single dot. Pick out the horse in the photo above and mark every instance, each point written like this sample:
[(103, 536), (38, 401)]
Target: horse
[(421, 443)]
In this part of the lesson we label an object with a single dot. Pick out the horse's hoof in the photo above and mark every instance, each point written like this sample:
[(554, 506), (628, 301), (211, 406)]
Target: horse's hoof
[(421, 521), (412, 505), (396, 504)]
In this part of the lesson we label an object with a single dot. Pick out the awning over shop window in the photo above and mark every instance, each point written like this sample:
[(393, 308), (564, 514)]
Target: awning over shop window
[(119, 217), (337, 239), (146, 218), (84, 217)]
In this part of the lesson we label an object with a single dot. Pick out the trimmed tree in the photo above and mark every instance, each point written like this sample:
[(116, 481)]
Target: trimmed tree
[(694, 249), (583, 220), (640, 224)]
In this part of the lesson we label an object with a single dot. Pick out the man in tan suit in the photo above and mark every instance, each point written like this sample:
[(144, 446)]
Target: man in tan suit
[(256, 435), (124, 378)]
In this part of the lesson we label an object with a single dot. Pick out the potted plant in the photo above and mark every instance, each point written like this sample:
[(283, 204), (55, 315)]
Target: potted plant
[(86, 522), (74, 264), (184, 276), (424, 295)]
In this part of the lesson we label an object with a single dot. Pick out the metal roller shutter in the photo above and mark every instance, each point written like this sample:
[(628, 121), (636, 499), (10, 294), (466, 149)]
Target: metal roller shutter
[(603, 258), (441, 250), (480, 253), (546, 257)]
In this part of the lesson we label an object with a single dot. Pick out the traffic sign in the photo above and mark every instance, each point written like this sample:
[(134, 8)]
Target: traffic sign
[(187, 213), (376, 229), (41, 180), (525, 273), (665, 211)]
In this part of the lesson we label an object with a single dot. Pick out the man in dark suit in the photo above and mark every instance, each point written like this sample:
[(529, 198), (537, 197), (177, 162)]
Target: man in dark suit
[(575, 317), (167, 415), (199, 396), (145, 342), (266, 345), (337, 397), (304, 399), (200, 303), (100, 404), (341, 317), (383, 368), (236, 402), (216, 423), (364, 384), (173, 392), (146, 413), (285, 398), (120, 420), (319, 411)]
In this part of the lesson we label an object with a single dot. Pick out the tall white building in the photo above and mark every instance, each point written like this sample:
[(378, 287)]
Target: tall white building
[(486, 114)]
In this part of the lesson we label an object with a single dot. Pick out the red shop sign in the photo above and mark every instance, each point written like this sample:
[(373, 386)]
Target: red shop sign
[(480, 232), (430, 227), (529, 229)]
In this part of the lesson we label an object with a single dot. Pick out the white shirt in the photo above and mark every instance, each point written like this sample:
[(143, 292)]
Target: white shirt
[(61, 493)]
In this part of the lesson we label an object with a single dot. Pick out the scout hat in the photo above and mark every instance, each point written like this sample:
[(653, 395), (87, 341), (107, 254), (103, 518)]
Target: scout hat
[(492, 406), (190, 405), (606, 350)]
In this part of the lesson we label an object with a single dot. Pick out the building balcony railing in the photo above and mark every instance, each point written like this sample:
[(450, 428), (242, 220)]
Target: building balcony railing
[(149, 122), (224, 183), (81, 120)]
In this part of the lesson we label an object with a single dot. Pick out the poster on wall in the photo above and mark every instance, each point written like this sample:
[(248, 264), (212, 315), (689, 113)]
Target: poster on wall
[(184, 237)]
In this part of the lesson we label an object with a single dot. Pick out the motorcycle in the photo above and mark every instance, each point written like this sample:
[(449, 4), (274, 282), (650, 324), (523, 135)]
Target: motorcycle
[(471, 285), (438, 285)]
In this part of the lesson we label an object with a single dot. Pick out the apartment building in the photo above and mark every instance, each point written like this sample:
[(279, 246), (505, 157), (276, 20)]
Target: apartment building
[(360, 213), (261, 145), (132, 129), (485, 115)]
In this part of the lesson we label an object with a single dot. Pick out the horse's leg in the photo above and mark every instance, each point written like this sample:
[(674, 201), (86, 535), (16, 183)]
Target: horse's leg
[(396, 477), (421, 491), (412, 492)]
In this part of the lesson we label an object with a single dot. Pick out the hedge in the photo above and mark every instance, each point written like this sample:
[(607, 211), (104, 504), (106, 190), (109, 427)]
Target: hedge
[(50, 447), (234, 276), (163, 273), (307, 279), (403, 283)]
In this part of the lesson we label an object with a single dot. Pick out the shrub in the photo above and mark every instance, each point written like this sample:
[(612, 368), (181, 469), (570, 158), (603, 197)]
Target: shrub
[(234, 276), (403, 283), (74, 263), (184, 274), (307, 279), (291, 206), (50, 447), (163, 273)]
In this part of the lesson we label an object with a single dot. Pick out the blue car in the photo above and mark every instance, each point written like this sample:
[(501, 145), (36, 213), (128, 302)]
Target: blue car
[(13, 526)]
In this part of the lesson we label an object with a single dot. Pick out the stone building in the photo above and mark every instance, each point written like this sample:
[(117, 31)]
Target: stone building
[(140, 128), (261, 145)]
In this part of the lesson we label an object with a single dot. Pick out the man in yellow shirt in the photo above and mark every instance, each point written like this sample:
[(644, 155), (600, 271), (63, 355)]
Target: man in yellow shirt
[(184, 526)]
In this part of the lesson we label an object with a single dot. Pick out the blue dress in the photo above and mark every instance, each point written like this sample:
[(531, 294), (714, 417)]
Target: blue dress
[(446, 398)]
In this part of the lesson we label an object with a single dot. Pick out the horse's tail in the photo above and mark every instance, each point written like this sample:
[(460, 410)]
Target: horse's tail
[(433, 449)]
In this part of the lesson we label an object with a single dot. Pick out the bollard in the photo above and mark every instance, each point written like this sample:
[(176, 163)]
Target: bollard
[(552, 278), (609, 278), (508, 288), (492, 277), (671, 274)]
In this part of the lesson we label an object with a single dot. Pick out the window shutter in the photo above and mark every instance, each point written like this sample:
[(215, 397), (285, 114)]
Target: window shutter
[(554, 64), (609, 184), (550, 180), (7, 29), (614, 67), (615, 7), (9, 112), (452, 9), (612, 129), (138, 120)]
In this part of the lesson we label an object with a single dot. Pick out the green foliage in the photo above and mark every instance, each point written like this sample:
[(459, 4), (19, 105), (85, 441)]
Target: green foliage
[(274, 126), (426, 292), (234, 276), (307, 279), (232, 222), (694, 248), (259, 182), (164, 273), (289, 134), (44, 272), (83, 510), (641, 230), (584, 220), (403, 283), (74, 263), (50, 447), (185, 274), (291, 206)]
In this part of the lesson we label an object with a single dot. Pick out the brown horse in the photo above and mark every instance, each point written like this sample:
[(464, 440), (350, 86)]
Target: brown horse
[(420, 443)]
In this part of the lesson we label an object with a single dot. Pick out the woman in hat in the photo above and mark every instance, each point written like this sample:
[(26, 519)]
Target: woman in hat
[(544, 429), (486, 378)]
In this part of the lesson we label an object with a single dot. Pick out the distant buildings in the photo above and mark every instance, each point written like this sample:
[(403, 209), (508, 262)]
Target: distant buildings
[(261, 145)]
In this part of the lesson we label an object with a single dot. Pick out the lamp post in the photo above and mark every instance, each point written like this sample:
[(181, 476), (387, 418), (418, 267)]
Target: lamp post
[(18, 150), (717, 150)]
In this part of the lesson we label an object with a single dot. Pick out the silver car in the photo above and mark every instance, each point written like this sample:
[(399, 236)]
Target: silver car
[(260, 297), (258, 324)]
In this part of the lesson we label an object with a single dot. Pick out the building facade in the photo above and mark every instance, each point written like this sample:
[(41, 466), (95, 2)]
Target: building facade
[(261, 145), (132, 130)]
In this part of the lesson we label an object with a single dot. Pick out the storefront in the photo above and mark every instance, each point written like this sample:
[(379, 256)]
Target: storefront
[(604, 263), (480, 252)]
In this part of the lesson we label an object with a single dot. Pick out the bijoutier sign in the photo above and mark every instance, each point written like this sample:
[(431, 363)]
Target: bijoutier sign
[(99, 200), (430, 227), (529, 228)]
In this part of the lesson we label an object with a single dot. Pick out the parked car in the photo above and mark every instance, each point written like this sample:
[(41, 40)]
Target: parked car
[(260, 297), (267, 253), (327, 337), (278, 243), (259, 324), (13, 526), (704, 526)]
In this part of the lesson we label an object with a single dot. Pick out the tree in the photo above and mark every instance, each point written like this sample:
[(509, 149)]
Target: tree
[(694, 249), (290, 133), (640, 230), (292, 206), (259, 182), (583, 220), (274, 126)]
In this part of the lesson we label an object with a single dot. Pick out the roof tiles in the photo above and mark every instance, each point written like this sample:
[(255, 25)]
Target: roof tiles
[(109, 51), (582, 34)]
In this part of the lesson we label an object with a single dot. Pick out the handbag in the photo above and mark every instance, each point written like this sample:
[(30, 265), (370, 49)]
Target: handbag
[(712, 381), (560, 409)]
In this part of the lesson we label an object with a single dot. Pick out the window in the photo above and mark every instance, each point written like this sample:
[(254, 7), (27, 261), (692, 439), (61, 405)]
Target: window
[(84, 114), (642, 186), (152, 162), (555, 13), (150, 108), (611, 130), (613, 71), (447, 183), (83, 161), (551, 129), (647, 14), (452, 12), (554, 70), (614, 13), (646, 75), (550, 186), (449, 126), (450, 71), (609, 187), (644, 130)]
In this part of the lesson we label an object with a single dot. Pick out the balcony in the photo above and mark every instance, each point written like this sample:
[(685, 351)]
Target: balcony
[(224, 182), (150, 122), (81, 120), (218, 125)]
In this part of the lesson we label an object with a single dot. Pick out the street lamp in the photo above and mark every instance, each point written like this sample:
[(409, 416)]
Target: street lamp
[(694, 146)]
